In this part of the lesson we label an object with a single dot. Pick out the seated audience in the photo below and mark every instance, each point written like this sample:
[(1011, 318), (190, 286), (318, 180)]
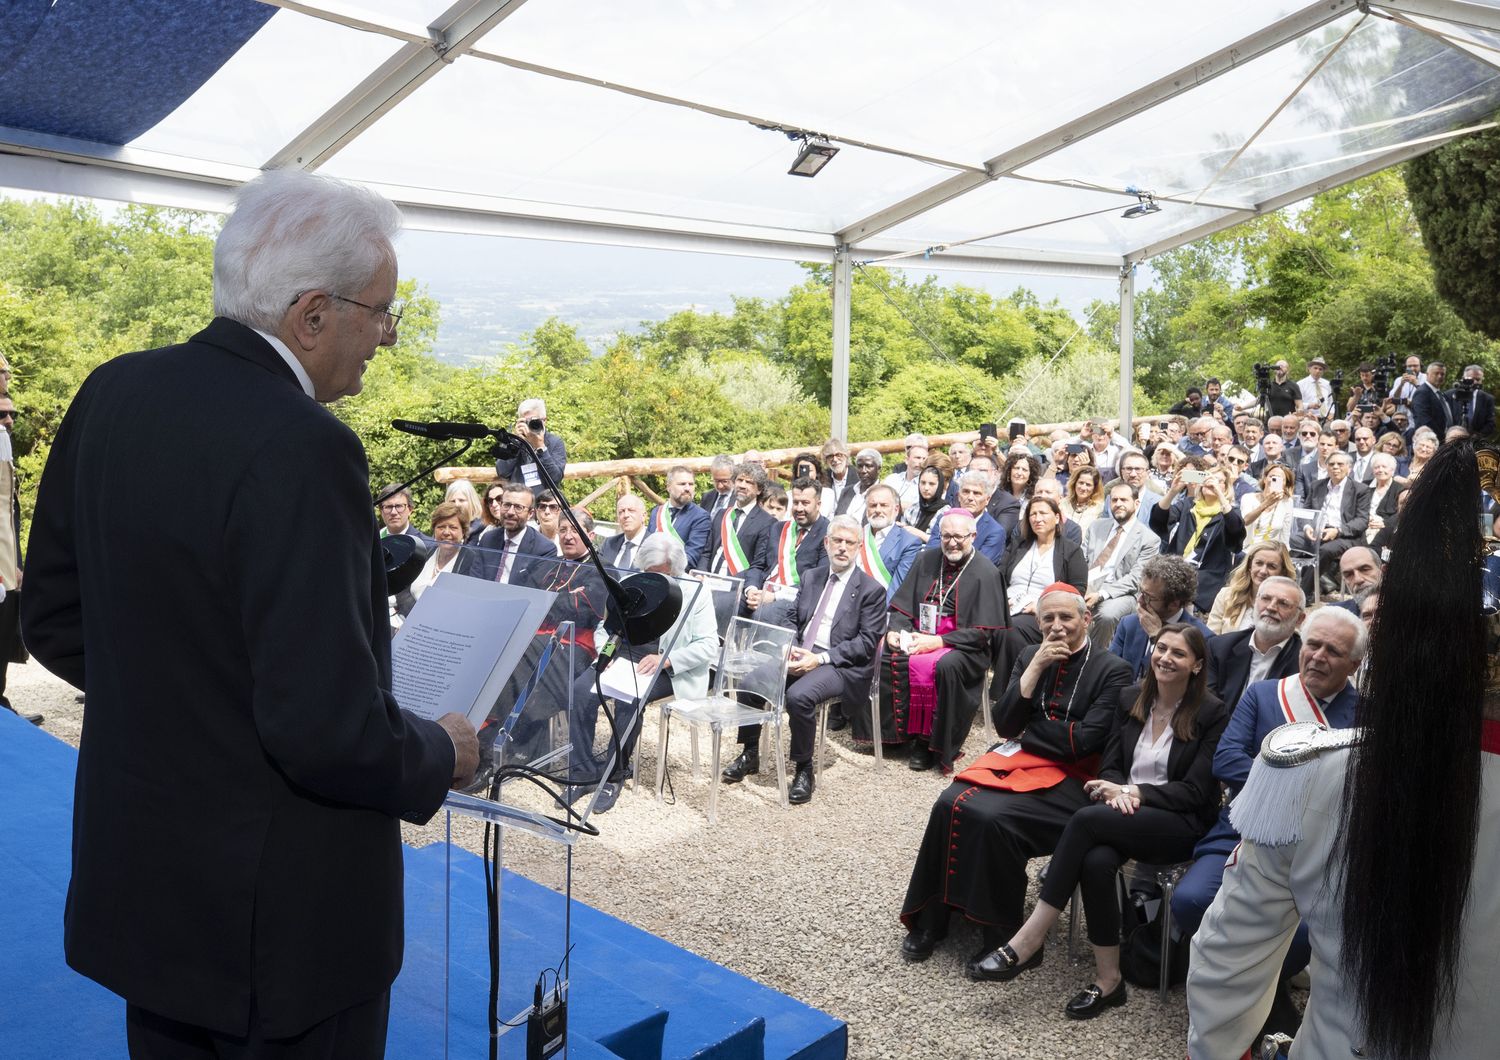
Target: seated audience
[(1051, 489), (1200, 522), (888, 549), (548, 516), (1394, 443), (1234, 604), (1013, 804), (1018, 477), (942, 620), (740, 540), (447, 526), (1117, 550), (1424, 445), (1038, 557), (1267, 650), (1268, 514), (693, 646), (397, 513), (1345, 505), (839, 615), (630, 516), (1154, 798), (681, 518), (931, 502), (1085, 496), (867, 464), (1360, 568), (1385, 492), (1333, 643), (462, 492), (511, 538), (974, 497), (796, 550), (1168, 584)]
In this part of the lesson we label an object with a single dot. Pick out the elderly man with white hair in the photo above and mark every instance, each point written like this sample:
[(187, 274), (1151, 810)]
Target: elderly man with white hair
[(942, 621), (244, 767), (541, 447), (1012, 804)]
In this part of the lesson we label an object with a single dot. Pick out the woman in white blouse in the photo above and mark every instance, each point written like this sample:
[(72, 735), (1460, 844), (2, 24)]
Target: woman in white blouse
[(1156, 796), (1268, 514)]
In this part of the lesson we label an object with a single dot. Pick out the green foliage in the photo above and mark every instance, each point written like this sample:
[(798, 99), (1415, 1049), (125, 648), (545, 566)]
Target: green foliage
[(1455, 193)]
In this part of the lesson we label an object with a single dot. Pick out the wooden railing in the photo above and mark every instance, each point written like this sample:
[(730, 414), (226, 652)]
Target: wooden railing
[(624, 476)]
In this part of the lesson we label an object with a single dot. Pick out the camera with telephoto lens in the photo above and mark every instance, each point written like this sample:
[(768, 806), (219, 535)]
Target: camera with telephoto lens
[(534, 425), (1385, 371), (1466, 387), (1262, 373)]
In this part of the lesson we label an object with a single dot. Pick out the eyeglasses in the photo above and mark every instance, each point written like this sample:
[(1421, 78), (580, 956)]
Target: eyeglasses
[(955, 538), (399, 506), (1309, 434), (496, 499), (547, 506), (391, 313), (512, 506)]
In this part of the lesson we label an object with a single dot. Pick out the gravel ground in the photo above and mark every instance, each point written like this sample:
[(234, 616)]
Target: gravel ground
[(804, 900)]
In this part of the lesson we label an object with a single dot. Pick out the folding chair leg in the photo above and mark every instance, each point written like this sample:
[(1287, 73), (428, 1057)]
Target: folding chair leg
[(875, 724), (780, 766), (713, 790), (661, 752), (1168, 883), (693, 732)]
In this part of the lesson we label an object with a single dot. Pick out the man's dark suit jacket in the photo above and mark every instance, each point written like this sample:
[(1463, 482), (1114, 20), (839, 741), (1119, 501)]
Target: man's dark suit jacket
[(533, 543), (711, 497), (757, 535), (858, 624), (1229, 663), (244, 766), (553, 456), (1131, 643), (811, 554), (1354, 510), (691, 524), (1480, 419), (1427, 410), (609, 552), (1190, 788)]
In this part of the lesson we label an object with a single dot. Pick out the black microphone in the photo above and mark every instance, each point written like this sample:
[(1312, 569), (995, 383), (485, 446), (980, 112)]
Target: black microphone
[(443, 431)]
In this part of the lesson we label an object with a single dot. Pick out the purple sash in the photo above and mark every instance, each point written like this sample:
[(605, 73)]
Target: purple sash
[(921, 683)]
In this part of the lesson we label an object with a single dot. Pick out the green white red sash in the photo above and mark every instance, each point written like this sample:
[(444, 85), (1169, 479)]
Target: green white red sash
[(729, 542), (661, 523), (786, 555), (870, 561), (1295, 702)]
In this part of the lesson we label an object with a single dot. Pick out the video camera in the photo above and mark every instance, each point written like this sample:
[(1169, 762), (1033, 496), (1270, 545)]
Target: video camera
[(1386, 369)]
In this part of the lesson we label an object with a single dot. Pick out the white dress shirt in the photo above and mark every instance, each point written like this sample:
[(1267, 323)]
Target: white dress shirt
[(295, 365), (837, 583), (1149, 766), (1260, 661)]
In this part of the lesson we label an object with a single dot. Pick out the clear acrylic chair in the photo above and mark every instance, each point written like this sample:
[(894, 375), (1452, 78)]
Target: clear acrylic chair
[(749, 688), (1305, 552)]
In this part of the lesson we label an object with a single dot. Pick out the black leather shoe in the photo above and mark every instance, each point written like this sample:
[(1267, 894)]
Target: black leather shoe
[(1002, 965), (747, 764), (919, 944), (801, 790), (837, 722), (1091, 1001), (921, 758)]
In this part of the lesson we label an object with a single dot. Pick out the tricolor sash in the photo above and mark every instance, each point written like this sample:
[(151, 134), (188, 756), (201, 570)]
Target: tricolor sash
[(1295, 701), (661, 523), (786, 556), (870, 561), (729, 542)]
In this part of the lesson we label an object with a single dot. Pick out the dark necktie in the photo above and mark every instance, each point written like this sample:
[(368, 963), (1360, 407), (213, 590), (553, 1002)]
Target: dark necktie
[(625, 554), (504, 551), (810, 635)]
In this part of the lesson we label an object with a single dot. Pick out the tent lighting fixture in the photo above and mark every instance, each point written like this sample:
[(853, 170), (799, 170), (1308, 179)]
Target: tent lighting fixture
[(1146, 204), (815, 153)]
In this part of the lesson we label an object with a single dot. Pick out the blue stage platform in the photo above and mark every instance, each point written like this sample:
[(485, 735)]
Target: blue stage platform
[(633, 996)]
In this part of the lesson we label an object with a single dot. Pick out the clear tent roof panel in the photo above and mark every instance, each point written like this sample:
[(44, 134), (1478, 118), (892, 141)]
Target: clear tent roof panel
[(959, 81), (1049, 216), (1385, 87), (243, 114), (482, 128)]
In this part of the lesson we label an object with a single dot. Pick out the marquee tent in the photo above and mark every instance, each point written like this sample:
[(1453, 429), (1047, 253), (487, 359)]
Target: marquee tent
[(1074, 138)]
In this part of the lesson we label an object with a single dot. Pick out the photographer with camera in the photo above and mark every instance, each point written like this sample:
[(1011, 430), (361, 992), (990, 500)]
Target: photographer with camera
[(1282, 395), (542, 446), (1475, 407), (1405, 387)]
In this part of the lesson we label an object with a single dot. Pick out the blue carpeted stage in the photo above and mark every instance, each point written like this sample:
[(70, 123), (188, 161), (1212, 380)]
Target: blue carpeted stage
[(633, 995)]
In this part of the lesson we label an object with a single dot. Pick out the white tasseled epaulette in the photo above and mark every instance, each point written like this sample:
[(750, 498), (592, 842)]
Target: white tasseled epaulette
[(1268, 810)]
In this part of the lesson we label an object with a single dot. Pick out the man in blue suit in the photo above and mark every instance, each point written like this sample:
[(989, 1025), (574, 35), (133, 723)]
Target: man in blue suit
[(896, 546), (1333, 643), (1168, 585), (974, 497), (681, 518), (796, 552), (503, 545)]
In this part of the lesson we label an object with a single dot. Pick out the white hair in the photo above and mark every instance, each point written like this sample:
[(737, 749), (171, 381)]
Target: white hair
[(463, 488), (1286, 583), (1341, 617), (293, 232), (979, 478), (659, 548), (847, 522), (537, 406), (1384, 460)]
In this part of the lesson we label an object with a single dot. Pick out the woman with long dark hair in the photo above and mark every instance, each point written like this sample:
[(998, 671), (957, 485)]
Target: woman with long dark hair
[(1155, 795), (1387, 849), (932, 487)]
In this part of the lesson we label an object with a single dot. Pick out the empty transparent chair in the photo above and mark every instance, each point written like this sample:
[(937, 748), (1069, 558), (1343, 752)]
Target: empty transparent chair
[(727, 594), (1304, 548), (749, 688)]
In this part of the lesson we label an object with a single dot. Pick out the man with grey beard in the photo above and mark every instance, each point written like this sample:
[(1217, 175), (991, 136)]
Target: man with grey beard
[(1267, 650)]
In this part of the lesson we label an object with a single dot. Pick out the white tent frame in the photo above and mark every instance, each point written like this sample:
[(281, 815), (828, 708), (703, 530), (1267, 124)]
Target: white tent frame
[(59, 165)]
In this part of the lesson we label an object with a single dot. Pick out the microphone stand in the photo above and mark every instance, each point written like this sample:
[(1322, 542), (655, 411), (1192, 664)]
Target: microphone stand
[(429, 469)]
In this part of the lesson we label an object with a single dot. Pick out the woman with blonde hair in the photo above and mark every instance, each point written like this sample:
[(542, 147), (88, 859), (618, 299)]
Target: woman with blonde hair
[(1233, 608), (1085, 495), (1268, 514), (462, 493)]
